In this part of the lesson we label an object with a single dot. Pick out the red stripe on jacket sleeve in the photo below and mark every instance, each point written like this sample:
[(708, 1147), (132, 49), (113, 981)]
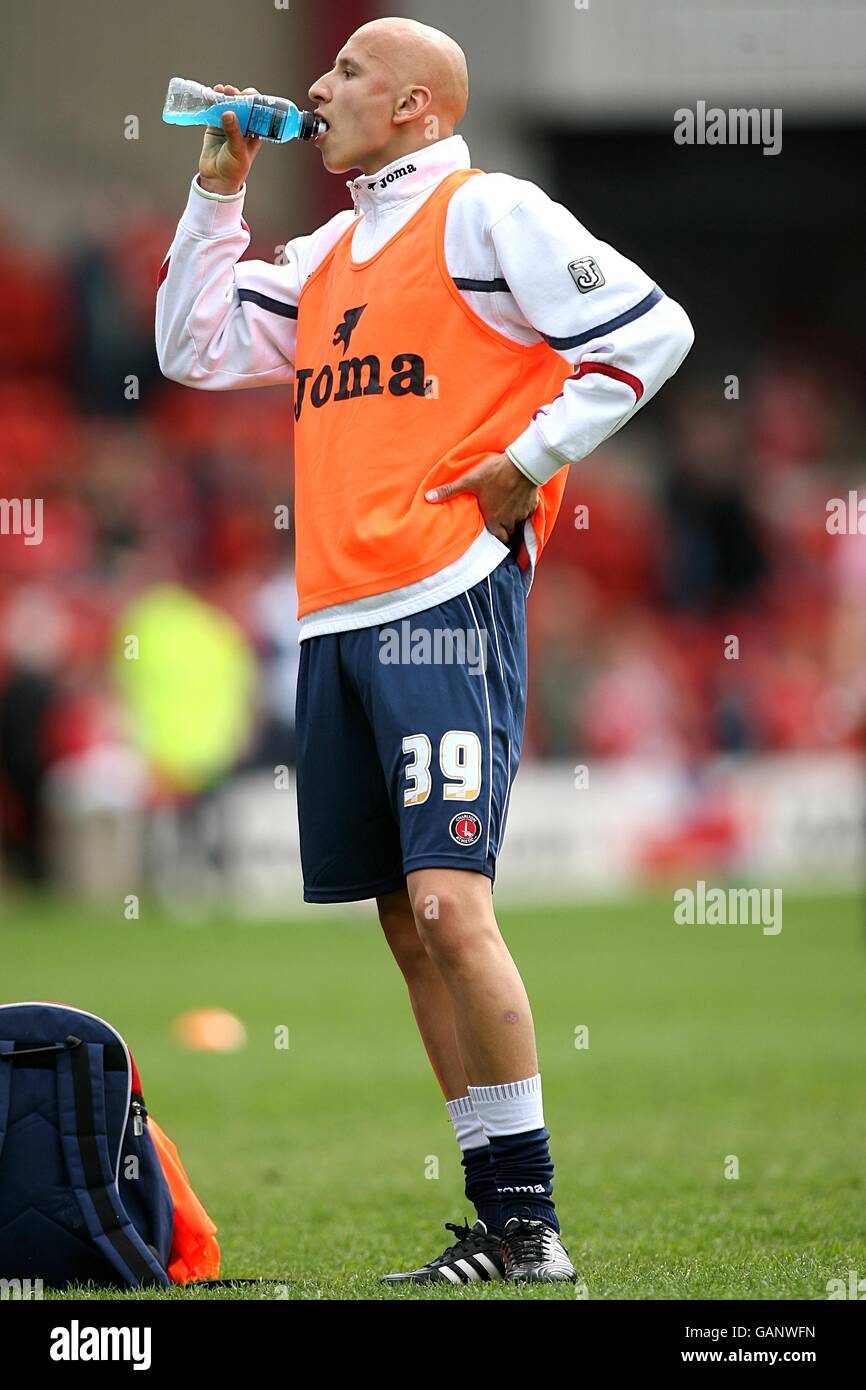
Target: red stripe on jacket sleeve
[(586, 367), (616, 372), (163, 271)]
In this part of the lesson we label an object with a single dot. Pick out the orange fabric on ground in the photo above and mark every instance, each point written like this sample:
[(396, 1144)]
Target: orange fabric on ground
[(400, 386), (195, 1253)]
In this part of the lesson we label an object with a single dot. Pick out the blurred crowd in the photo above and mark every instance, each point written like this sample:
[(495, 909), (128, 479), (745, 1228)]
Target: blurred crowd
[(691, 599)]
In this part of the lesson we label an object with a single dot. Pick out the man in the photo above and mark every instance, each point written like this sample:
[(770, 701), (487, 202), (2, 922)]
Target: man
[(455, 340)]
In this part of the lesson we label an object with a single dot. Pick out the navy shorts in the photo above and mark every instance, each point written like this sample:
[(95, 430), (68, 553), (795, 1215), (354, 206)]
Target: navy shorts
[(408, 739)]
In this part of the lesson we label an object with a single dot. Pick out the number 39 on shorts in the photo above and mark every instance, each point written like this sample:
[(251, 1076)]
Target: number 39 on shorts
[(459, 761)]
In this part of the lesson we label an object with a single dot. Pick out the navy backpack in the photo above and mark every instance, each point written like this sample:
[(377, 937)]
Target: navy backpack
[(83, 1196)]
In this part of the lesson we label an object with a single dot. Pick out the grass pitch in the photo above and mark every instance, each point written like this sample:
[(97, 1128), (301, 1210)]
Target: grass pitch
[(704, 1042)]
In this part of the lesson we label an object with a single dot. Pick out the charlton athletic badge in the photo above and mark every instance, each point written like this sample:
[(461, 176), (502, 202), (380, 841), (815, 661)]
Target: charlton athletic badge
[(465, 828)]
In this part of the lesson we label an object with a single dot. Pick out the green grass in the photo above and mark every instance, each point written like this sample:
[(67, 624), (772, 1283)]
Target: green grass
[(704, 1042)]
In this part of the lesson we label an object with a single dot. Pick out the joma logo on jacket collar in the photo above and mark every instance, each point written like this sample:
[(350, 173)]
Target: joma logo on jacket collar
[(394, 174), (407, 379)]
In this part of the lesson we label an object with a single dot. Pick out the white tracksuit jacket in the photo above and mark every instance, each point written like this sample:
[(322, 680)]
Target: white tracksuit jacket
[(526, 266)]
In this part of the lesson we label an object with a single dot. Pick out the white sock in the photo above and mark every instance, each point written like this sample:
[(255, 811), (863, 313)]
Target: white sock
[(513, 1107), (467, 1125)]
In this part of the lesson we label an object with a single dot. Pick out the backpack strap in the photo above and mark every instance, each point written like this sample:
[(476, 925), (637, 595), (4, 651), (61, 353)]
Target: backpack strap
[(5, 1090), (12, 1051), (83, 1135)]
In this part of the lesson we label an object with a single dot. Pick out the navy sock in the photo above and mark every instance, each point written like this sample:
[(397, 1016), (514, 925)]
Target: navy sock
[(524, 1175), (481, 1186)]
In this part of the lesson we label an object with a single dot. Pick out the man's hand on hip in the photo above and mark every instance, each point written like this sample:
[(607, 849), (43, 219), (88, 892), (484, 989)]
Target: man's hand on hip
[(505, 496)]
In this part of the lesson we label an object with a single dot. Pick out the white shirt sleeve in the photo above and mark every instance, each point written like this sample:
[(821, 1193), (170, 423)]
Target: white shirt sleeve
[(600, 312), (222, 323)]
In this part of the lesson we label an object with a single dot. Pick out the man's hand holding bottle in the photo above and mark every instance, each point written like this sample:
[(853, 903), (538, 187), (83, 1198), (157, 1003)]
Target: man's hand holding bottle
[(226, 156)]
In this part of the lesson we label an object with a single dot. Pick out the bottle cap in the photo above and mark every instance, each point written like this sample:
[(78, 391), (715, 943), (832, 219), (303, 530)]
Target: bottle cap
[(311, 126)]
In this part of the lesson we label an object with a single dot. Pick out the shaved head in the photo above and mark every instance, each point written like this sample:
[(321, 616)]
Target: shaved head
[(395, 86), (418, 55)]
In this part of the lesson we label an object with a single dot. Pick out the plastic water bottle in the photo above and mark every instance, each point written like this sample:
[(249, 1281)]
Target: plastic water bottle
[(271, 118)]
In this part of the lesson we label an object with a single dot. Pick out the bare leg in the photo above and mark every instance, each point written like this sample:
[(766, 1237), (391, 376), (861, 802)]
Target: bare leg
[(495, 1034), (429, 997)]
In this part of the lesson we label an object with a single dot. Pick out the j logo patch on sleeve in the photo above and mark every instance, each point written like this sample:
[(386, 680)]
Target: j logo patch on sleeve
[(585, 274)]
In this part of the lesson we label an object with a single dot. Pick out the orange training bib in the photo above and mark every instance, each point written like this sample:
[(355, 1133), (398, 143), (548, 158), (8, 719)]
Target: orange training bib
[(399, 387)]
